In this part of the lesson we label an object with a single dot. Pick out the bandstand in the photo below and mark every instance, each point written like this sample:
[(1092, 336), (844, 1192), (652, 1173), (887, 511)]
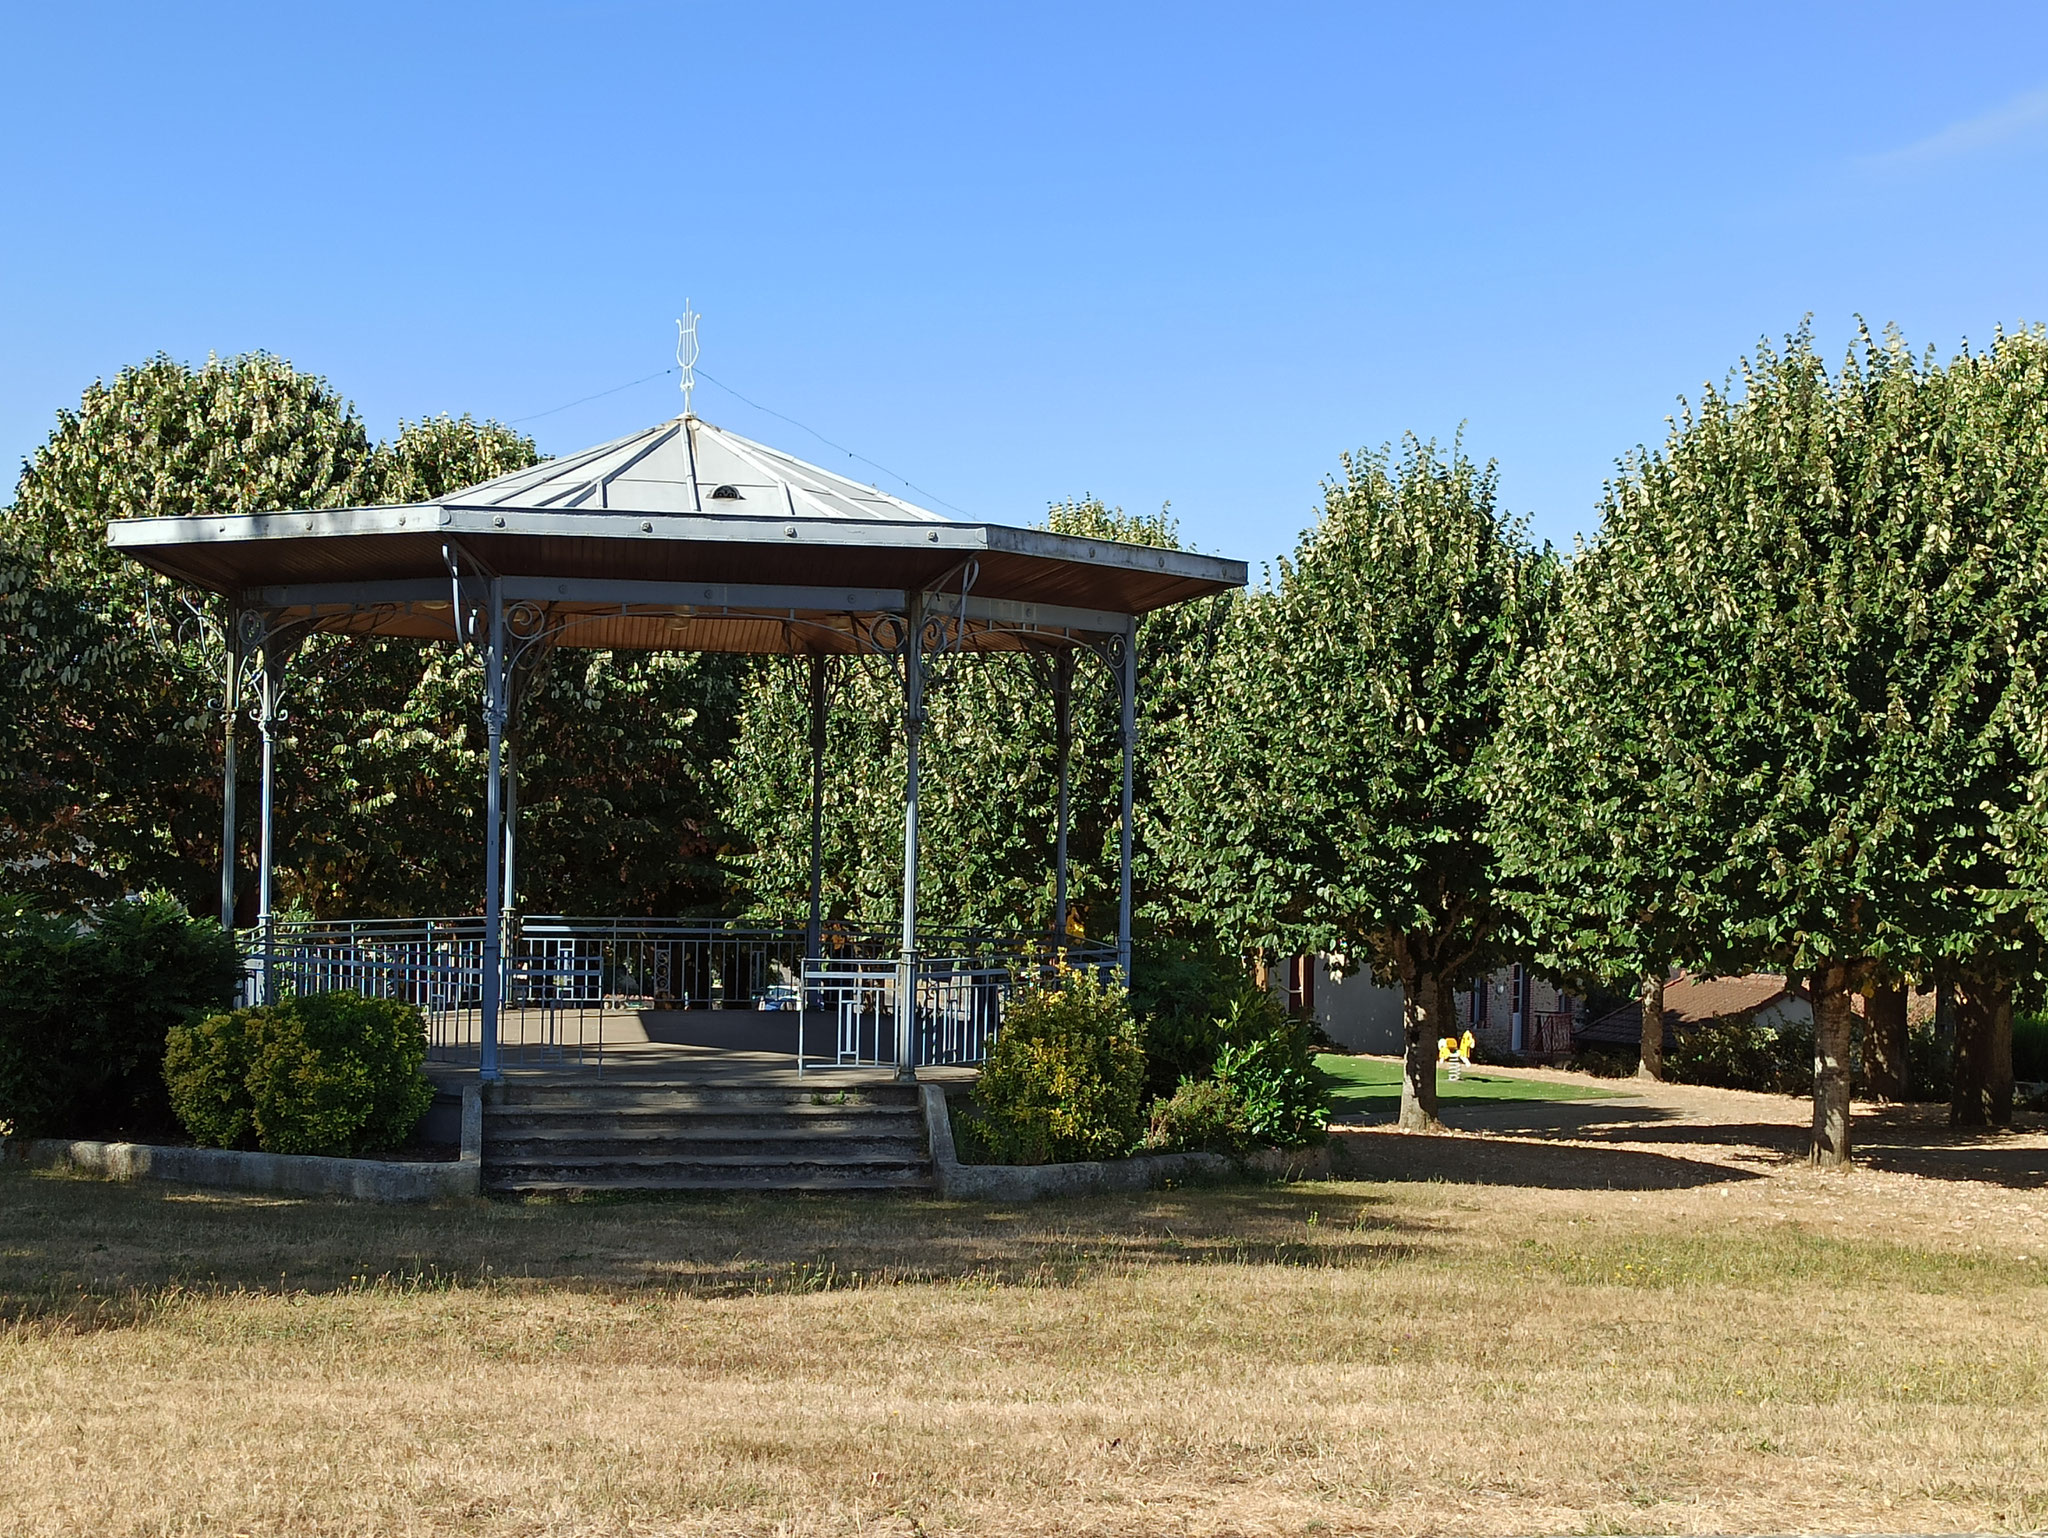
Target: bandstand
[(683, 537)]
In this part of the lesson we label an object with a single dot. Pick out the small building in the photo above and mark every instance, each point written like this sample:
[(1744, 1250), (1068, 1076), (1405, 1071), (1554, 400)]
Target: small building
[(1352, 1007), (1512, 1012), (1767, 998)]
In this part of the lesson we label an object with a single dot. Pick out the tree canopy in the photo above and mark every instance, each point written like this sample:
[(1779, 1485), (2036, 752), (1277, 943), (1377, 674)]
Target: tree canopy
[(989, 772), (1773, 724), (1327, 793)]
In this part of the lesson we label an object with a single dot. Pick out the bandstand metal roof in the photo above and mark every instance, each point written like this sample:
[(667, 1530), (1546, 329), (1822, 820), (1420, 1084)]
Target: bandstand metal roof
[(682, 537)]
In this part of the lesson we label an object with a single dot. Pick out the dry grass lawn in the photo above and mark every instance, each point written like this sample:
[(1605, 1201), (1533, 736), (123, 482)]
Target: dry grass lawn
[(1632, 1317)]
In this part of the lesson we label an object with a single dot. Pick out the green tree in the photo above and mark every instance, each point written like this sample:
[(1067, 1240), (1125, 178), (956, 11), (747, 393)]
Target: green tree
[(112, 737), (1592, 809), (988, 776), (1327, 794), (110, 730), (1777, 697)]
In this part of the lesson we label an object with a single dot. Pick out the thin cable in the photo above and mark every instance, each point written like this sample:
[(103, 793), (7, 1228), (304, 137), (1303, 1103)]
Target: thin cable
[(842, 448), (601, 394)]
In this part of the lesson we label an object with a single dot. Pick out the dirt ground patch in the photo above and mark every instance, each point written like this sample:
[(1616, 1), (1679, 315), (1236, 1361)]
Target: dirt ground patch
[(1642, 1315)]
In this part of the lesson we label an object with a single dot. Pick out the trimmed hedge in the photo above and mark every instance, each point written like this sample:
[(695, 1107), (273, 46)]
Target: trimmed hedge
[(1065, 1080), (330, 1073), (85, 1005), (1201, 1116)]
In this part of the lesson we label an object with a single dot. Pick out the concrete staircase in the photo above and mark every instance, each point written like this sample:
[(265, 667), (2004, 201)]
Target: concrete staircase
[(567, 1137)]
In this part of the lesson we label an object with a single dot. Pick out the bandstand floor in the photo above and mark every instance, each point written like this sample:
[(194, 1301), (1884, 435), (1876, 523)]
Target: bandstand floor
[(673, 1046)]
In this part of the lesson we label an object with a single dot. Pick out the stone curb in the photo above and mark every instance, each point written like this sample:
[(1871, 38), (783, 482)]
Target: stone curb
[(1030, 1182), (367, 1180)]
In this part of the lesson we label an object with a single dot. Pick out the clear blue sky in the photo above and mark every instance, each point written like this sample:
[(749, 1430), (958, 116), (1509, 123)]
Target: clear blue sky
[(1022, 252)]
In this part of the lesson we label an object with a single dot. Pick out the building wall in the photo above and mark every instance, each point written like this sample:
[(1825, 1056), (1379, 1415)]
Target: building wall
[(1506, 1011), (1364, 1015), (1355, 1011)]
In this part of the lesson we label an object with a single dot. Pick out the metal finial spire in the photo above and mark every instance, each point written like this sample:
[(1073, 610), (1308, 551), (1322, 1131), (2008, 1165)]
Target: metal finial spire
[(686, 352)]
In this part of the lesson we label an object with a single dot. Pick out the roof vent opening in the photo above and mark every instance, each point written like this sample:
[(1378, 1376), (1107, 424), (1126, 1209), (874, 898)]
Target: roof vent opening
[(727, 494)]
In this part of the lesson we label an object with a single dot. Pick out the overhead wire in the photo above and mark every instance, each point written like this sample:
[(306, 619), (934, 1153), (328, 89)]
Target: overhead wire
[(711, 378), (601, 394), (842, 448)]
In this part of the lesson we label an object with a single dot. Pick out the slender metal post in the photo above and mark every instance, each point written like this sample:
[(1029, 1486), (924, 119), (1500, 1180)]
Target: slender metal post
[(269, 694), (1063, 749), (510, 903), (494, 920), (913, 731), (814, 931), (230, 710), (1124, 832)]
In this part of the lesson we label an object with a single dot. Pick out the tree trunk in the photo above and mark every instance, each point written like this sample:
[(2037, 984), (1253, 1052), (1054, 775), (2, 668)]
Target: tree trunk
[(1424, 1018), (1652, 1065), (1983, 1085), (1884, 1042), (1831, 1018)]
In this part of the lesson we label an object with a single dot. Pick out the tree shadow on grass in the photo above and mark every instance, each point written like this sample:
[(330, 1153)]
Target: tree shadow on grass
[(1911, 1139), (1917, 1140), (1523, 1160), (82, 1254)]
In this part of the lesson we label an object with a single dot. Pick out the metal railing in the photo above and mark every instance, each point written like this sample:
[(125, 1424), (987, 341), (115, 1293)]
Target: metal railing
[(563, 975)]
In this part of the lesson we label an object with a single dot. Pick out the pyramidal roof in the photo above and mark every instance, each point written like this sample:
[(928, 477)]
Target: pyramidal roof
[(686, 465)]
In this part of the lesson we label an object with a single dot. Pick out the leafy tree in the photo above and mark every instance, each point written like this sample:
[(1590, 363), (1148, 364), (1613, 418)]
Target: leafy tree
[(1327, 794), (988, 776), (109, 699), (1592, 812), (112, 746), (1786, 659)]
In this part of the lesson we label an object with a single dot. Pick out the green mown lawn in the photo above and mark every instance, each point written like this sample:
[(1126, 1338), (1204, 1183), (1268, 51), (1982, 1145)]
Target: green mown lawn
[(1374, 1084)]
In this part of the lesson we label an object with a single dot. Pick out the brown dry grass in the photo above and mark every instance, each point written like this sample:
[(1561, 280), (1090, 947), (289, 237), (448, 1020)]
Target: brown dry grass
[(1735, 1344)]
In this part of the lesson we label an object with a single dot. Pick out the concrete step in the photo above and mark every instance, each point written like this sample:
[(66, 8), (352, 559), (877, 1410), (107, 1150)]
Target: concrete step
[(709, 1172), (688, 1143), (593, 1137), (512, 1093), (537, 1187), (795, 1120)]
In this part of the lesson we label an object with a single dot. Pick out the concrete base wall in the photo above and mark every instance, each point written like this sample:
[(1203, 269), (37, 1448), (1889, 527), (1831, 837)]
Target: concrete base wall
[(369, 1180), (1029, 1182)]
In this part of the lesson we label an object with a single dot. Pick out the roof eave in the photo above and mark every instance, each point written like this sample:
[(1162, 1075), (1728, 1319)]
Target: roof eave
[(455, 519)]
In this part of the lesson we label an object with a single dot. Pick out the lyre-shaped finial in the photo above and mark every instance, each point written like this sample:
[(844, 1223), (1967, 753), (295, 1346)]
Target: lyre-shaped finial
[(686, 352)]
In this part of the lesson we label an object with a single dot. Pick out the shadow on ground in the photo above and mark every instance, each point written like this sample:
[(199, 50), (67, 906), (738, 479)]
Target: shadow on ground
[(97, 1254), (1911, 1140), (1520, 1161)]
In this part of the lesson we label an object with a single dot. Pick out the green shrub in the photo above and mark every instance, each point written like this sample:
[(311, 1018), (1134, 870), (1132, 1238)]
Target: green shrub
[(330, 1073), (1740, 1053), (85, 1006), (1185, 996), (1607, 1063), (206, 1071), (1201, 1116), (1283, 1099), (1064, 1081)]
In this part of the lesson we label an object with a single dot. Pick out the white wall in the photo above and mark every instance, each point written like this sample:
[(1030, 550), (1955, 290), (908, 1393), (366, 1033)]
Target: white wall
[(1356, 1011)]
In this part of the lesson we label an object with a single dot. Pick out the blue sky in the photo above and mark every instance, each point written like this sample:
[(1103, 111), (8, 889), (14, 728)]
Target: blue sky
[(1016, 253)]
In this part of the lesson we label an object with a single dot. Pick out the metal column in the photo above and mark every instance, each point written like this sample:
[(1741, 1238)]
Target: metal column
[(1129, 679), (814, 931), (493, 981), (269, 702), (230, 710), (1063, 748), (509, 903), (913, 730)]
